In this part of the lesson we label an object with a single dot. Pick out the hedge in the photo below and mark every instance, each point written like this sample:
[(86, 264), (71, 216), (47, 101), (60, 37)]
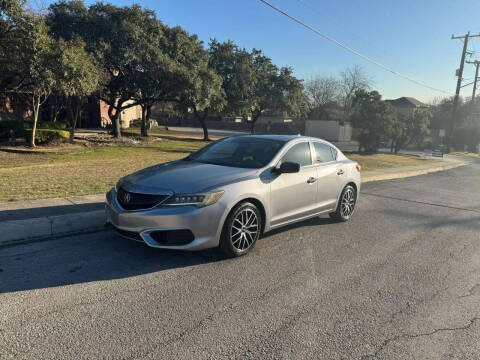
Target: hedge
[(44, 136), (11, 129), (52, 125)]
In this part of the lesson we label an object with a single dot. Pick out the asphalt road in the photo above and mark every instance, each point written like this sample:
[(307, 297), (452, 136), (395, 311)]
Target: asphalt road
[(400, 281)]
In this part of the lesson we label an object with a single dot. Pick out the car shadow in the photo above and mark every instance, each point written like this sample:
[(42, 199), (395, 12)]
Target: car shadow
[(305, 223), (100, 256)]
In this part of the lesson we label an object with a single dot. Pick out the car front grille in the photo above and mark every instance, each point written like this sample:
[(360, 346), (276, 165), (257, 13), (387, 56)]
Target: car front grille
[(135, 201)]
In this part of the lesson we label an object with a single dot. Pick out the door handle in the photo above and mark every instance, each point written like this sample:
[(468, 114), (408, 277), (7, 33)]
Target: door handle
[(340, 172), (311, 180)]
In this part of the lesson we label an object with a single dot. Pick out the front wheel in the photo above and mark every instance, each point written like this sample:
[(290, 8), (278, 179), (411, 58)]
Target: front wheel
[(346, 204), (241, 230)]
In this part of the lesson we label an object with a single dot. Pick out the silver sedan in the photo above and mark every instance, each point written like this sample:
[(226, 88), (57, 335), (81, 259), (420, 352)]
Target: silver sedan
[(231, 191)]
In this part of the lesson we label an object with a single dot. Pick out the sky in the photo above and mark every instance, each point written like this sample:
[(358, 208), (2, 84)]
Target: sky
[(413, 37)]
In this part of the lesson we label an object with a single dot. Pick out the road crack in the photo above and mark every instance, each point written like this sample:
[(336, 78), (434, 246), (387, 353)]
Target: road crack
[(386, 342), (472, 291), (421, 202)]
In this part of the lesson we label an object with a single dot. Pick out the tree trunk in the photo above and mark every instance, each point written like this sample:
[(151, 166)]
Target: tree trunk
[(143, 129), (114, 118), (36, 109), (203, 123), (74, 107), (204, 127), (148, 114), (255, 117)]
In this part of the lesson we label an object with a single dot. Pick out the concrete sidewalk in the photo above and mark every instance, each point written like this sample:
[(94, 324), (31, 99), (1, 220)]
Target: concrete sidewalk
[(34, 219)]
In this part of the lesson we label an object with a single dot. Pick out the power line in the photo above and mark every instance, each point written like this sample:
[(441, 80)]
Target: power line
[(364, 57), (333, 21)]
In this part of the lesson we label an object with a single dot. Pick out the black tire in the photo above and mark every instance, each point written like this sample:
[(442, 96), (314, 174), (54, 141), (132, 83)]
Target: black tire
[(346, 204), (237, 239)]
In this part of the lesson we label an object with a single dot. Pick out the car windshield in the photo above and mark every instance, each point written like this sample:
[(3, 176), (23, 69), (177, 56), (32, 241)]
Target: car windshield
[(242, 152)]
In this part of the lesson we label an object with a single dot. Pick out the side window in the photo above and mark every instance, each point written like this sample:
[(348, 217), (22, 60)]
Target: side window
[(324, 152), (334, 153), (299, 153)]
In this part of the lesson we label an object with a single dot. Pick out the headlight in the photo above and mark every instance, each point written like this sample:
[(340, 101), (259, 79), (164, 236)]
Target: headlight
[(199, 200)]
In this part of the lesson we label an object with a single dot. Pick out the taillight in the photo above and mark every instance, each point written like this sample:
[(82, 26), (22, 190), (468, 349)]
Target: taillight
[(358, 167)]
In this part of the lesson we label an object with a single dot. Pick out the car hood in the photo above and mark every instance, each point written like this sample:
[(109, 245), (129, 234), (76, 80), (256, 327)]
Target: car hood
[(183, 177)]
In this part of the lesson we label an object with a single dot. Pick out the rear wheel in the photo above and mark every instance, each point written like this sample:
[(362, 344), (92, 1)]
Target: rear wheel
[(241, 230), (346, 204)]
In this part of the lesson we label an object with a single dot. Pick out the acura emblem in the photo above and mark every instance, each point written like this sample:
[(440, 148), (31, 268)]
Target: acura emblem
[(126, 197)]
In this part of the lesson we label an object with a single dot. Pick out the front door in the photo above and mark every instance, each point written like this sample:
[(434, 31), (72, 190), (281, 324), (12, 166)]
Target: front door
[(329, 174), (293, 196)]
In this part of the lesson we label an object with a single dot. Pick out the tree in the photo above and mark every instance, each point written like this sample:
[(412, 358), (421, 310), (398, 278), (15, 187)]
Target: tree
[(117, 44), (156, 74), (42, 76), (321, 91), (421, 126), (373, 117), (266, 94), (399, 133), (351, 80), (114, 44), (12, 36), (235, 67), (15, 43), (290, 93), (275, 91), (34, 71), (204, 96), (78, 77)]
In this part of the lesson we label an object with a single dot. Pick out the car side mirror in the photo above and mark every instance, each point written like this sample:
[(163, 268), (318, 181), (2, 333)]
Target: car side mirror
[(288, 168)]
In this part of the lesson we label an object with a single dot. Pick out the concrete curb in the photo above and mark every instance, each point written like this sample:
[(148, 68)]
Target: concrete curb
[(409, 173), (44, 227), (13, 231)]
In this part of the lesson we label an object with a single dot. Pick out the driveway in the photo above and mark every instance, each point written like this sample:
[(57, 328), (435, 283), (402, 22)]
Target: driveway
[(400, 281)]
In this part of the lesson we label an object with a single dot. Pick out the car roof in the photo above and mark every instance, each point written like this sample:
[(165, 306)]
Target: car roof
[(286, 138)]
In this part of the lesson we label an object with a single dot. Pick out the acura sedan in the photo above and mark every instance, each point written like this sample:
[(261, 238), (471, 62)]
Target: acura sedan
[(231, 191)]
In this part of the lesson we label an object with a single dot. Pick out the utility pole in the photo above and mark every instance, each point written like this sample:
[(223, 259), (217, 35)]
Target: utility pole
[(477, 64), (459, 84)]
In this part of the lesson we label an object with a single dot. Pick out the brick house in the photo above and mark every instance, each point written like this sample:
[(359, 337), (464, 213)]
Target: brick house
[(94, 114), (13, 107)]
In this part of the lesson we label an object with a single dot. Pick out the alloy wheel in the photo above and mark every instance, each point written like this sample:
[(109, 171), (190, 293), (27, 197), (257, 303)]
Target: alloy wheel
[(347, 204), (244, 230)]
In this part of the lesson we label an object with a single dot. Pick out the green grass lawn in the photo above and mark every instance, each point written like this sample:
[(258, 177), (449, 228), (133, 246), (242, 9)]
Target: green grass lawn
[(76, 169), (381, 161), (465, 154)]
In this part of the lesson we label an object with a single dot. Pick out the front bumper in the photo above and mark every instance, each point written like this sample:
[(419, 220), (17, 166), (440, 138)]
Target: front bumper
[(205, 223)]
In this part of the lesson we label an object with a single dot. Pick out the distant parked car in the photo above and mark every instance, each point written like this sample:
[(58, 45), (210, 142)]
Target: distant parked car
[(231, 191)]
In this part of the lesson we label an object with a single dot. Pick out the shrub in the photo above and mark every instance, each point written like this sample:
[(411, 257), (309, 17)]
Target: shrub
[(12, 129), (136, 123), (45, 136), (52, 125)]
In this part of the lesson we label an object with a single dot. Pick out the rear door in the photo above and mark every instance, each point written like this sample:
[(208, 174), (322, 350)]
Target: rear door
[(293, 196), (329, 173)]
